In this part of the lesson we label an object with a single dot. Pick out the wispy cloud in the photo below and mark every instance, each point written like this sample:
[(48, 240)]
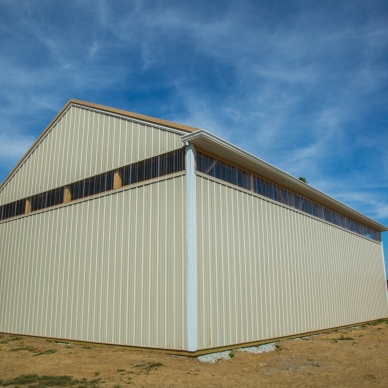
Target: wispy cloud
[(301, 85)]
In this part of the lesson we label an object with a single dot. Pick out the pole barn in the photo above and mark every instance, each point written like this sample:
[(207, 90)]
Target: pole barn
[(124, 229)]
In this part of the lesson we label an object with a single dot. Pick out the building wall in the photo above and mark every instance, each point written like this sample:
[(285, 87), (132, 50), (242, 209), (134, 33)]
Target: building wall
[(109, 268), (266, 270), (81, 144)]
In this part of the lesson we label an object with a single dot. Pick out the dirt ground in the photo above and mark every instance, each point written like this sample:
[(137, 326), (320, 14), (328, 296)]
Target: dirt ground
[(355, 357)]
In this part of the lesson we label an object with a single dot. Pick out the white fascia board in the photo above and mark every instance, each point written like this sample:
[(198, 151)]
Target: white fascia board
[(214, 145)]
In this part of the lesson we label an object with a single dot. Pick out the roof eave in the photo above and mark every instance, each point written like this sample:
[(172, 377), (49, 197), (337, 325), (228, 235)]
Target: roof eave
[(214, 145)]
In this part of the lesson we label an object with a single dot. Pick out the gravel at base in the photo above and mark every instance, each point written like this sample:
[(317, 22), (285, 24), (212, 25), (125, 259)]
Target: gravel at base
[(259, 349), (214, 357)]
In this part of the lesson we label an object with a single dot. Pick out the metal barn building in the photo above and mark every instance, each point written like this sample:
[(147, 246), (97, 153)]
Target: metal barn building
[(124, 229)]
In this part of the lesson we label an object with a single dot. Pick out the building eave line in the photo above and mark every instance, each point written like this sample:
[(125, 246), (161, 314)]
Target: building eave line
[(215, 145)]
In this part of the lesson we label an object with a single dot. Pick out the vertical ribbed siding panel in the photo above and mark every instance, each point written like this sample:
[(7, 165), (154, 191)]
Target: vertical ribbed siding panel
[(5, 267), (81, 144), (73, 157), (46, 156), (119, 134), (34, 172), (59, 160), (109, 269), (67, 145), (18, 188), (40, 311), (27, 181), (266, 271), (88, 152), (106, 142), (52, 137), (10, 276), (99, 129)]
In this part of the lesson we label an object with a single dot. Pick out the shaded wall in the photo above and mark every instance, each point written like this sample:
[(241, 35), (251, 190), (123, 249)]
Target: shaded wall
[(109, 268)]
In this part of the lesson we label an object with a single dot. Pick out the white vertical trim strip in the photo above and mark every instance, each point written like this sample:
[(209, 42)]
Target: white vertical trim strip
[(191, 255)]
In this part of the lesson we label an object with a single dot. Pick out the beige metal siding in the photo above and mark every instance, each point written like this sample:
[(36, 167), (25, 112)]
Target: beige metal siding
[(81, 144), (107, 269), (266, 271)]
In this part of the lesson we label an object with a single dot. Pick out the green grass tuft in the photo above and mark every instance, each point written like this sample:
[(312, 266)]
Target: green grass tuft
[(16, 339), (149, 366), (343, 338), (49, 381), (47, 351), (154, 365)]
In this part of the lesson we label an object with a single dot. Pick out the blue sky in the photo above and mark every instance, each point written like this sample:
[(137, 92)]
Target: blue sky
[(300, 84)]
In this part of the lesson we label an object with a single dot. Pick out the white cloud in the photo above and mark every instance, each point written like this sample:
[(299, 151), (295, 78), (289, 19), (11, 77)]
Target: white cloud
[(298, 87)]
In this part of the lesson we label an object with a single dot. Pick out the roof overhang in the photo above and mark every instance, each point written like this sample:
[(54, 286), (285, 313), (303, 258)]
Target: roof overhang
[(214, 145)]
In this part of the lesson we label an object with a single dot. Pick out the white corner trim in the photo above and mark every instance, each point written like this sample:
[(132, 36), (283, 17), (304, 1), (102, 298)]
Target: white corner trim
[(191, 254)]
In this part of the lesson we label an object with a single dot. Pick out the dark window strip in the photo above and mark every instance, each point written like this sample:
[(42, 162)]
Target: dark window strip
[(12, 209), (232, 174), (154, 167), (47, 199), (91, 186)]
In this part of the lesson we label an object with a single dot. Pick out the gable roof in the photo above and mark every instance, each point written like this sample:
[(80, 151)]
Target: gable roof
[(102, 109)]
